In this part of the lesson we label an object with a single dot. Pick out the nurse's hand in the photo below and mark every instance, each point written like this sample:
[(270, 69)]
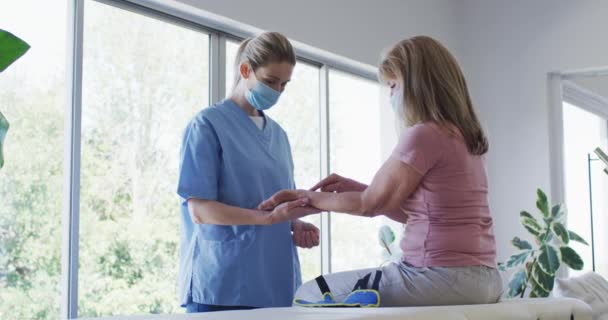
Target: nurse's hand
[(281, 197), (336, 183), (291, 210), (305, 235)]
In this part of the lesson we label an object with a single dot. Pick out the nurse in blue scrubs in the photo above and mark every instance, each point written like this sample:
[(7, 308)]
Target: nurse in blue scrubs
[(233, 157)]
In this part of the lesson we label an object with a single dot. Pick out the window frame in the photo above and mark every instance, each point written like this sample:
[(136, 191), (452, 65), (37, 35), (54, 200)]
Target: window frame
[(220, 30), (561, 88)]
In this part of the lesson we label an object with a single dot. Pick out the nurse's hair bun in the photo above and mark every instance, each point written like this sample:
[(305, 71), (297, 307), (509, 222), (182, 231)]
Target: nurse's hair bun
[(265, 48)]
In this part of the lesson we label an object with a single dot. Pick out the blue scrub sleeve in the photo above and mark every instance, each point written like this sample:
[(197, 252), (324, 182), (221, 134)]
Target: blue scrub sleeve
[(200, 162)]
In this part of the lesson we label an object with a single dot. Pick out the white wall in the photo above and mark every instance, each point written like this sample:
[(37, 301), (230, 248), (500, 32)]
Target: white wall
[(510, 48), (357, 29)]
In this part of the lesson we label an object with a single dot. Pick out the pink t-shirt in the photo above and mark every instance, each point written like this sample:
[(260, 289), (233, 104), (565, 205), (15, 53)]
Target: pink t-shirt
[(449, 220)]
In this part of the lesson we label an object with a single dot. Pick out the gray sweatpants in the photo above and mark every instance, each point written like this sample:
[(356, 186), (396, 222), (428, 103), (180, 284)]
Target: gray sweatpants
[(404, 285)]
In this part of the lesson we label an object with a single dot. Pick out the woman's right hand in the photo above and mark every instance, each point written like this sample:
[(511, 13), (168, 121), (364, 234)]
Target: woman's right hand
[(336, 183)]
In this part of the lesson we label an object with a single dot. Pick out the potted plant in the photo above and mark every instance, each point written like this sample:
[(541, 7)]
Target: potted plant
[(11, 49), (538, 262), (390, 248)]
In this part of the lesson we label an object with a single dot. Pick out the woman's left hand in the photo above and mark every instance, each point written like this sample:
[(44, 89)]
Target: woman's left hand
[(281, 197)]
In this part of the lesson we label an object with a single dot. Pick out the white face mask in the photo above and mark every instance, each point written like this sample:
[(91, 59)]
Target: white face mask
[(397, 103)]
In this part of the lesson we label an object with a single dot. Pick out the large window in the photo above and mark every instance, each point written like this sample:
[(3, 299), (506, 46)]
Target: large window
[(357, 151), (586, 185), (143, 80), (298, 113), (144, 76), (32, 98)]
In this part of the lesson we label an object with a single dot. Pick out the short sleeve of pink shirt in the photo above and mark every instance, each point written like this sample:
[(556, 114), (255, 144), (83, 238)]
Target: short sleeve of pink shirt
[(420, 147)]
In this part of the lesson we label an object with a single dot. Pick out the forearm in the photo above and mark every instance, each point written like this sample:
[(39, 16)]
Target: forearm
[(214, 212), (347, 202)]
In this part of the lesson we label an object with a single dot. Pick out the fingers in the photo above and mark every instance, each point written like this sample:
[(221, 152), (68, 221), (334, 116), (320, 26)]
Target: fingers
[(297, 238), (304, 239), (306, 236), (278, 198), (272, 202), (312, 236), (316, 237), (310, 239), (297, 203), (318, 185), (334, 187), (332, 178), (266, 205)]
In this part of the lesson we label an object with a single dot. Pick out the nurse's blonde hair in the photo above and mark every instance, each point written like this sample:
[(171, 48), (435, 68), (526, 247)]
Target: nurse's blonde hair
[(268, 47), (434, 88)]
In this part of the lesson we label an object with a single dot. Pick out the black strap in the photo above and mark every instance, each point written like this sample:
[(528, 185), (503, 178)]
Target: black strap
[(362, 283), (322, 285), (376, 284)]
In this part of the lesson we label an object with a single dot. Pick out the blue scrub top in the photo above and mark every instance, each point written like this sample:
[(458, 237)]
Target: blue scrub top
[(225, 157)]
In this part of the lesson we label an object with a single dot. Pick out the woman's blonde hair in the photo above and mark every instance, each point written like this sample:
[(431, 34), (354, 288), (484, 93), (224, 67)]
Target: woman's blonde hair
[(268, 47), (434, 88)]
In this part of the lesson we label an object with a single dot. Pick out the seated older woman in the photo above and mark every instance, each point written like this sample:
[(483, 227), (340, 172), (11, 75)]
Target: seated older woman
[(435, 181)]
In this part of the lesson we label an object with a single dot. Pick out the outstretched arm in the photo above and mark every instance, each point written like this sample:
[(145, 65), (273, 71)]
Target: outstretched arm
[(394, 182)]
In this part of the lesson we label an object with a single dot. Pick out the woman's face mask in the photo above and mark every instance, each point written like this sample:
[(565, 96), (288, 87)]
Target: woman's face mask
[(397, 104), (397, 99)]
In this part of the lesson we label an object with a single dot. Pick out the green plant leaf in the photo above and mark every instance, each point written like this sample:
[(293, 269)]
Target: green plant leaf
[(548, 259), (542, 203), (4, 125), (542, 279), (521, 244), (386, 234), (557, 212), (571, 258), (531, 225), (537, 290), (517, 283), (538, 293), (517, 259), (386, 237), (528, 268), (525, 214), (575, 237), (11, 48), (561, 232)]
